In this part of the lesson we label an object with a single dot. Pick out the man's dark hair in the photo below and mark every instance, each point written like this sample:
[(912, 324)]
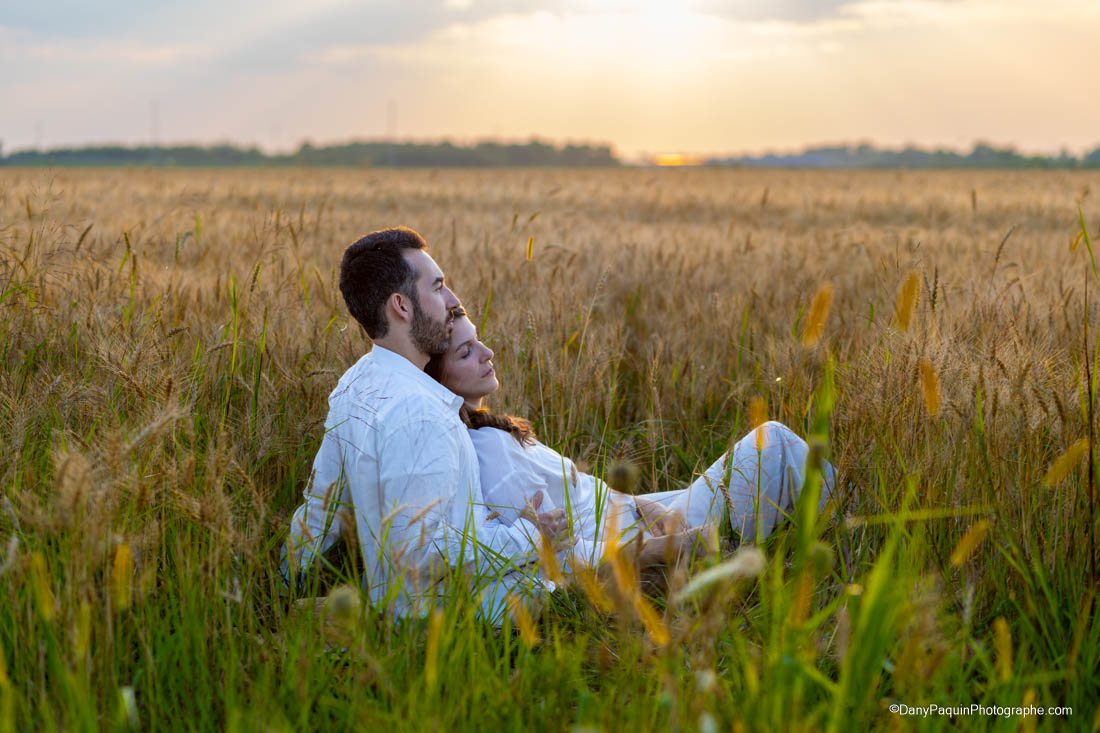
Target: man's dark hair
[(373, 269)]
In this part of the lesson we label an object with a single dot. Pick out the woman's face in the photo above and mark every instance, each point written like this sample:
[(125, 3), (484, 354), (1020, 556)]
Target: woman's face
[(467, 365)]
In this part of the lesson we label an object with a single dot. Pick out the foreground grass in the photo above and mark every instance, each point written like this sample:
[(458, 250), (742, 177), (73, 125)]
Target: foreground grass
[(168, 341)]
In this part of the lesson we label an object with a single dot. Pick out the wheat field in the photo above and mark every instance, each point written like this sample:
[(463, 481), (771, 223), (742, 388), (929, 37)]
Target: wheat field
[(169, 339)]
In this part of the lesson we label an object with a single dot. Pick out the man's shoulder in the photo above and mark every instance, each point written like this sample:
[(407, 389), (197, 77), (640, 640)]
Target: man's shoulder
[(389, 398), (366, 379), (355, 379), (417, 406)]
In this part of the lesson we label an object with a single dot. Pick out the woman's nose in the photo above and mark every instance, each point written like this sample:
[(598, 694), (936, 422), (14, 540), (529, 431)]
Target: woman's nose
[(488, 354)]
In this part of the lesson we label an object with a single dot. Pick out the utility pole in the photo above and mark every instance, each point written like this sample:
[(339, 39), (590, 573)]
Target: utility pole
[(391, 130), (154, 122), (154, 130)]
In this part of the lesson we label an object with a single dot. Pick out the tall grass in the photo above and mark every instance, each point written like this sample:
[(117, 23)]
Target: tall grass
[(168, 340)]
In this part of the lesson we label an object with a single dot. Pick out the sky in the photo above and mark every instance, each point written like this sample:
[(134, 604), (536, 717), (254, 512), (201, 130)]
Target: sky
[(649, 76)]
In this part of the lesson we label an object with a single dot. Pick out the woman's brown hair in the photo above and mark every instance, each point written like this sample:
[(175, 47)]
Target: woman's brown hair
[(482, 417)]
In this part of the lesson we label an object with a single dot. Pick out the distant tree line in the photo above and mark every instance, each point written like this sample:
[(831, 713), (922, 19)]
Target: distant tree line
[(489, 153), (532, 153), (867, 156)]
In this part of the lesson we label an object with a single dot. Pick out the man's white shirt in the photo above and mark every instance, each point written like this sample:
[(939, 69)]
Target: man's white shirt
[(397, 459)]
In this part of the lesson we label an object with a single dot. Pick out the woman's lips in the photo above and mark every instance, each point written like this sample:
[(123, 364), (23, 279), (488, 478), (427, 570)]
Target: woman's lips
[(489, 373)]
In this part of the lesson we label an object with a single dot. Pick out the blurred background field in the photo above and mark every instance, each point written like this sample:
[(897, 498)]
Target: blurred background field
[(169, 338)]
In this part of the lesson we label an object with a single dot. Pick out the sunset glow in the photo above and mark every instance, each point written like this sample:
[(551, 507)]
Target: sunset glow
[(697, 77), (675, 160)]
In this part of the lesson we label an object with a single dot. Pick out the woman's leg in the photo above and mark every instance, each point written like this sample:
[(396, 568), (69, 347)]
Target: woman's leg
[(762, 483)]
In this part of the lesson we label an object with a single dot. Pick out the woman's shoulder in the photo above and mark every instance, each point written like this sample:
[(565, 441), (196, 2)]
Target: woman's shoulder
[(501, 443), (500, 454), (494, 437)]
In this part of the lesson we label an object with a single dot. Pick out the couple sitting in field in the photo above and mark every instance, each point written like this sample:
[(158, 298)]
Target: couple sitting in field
[(438, 490)]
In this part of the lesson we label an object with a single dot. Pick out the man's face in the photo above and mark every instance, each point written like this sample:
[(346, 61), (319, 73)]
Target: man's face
[(430, 327)]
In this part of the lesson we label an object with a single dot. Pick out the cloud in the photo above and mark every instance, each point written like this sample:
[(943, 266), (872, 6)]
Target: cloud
[(11, 41), (265, 37), (797, 11), (124, 53), (68, 18), (340, 20), (328, 32), (37, 58), (691, 74), (254, 33)]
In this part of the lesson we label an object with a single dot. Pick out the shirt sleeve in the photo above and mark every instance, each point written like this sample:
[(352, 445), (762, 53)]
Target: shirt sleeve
[(507, 478), (583, 554), (325, 515), (433, 514)]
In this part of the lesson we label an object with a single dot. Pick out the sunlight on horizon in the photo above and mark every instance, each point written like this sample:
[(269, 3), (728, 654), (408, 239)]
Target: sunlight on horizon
[(676, 160)]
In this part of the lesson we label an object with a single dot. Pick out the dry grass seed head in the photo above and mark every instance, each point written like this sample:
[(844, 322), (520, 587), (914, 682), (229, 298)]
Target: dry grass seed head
[(819, 312), (907, 300), (930, 387)]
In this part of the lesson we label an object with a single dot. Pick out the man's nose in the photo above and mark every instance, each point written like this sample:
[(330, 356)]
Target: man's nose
[(452, 300)]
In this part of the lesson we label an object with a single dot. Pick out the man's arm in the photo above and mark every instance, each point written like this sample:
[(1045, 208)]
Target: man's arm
[(320, 521), (431, 505)]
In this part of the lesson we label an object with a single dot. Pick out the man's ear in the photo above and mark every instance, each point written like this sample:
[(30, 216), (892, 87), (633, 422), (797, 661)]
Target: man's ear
[(399, 307)]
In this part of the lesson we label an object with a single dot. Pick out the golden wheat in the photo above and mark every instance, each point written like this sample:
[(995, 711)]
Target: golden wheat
[(969, 542), (1066, 462), (930, 387), (819, 312), (169, 339)]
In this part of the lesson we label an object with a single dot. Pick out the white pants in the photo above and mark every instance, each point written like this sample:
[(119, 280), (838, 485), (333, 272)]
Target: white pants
[(763, 484)]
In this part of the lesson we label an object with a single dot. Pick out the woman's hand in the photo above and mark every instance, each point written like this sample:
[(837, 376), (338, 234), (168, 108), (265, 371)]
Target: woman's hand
[(658, 519), (552, 525), (668, 549)]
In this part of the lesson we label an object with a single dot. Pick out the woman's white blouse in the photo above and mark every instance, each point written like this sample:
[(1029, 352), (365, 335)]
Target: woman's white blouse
[(511, 474), (758, 479)]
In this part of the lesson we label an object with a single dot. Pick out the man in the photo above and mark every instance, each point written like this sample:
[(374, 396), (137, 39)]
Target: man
[(395, 455)]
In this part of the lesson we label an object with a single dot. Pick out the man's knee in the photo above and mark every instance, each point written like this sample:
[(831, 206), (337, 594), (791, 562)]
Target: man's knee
[(773, 433), (776, 427)]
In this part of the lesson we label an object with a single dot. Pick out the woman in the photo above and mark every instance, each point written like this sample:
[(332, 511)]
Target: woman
[(755, 483)]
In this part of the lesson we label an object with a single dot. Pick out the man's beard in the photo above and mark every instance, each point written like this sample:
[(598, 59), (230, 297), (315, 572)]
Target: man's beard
[(431, 337)]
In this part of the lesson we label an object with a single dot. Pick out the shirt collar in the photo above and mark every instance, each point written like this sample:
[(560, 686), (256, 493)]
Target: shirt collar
[(394, 362)]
